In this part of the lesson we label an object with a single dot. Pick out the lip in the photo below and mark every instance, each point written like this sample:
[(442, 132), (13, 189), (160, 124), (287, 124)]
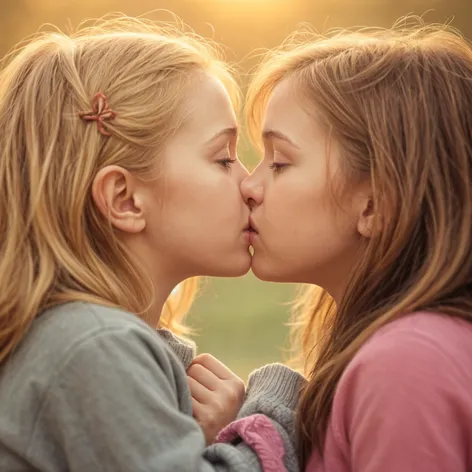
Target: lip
[(251, 232), (252, 226), (247, 235)]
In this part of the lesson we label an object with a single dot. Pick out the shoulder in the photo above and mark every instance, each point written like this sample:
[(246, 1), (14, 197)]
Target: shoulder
[(417, 341), (83, 317), (403, 402), (87, 348), (419, 356), (72, 329)]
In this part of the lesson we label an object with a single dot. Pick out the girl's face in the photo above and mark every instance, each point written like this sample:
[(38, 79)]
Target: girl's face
[(191, 219), (197, 221), (303, 234)]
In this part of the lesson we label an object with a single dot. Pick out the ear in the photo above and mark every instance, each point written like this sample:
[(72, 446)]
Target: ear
[(115, 192), (365, 222)]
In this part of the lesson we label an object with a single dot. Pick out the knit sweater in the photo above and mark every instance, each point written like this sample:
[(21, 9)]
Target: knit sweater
[(92, 388)]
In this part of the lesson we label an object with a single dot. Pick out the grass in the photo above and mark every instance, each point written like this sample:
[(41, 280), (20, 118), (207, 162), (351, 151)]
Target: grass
[(242, 322)]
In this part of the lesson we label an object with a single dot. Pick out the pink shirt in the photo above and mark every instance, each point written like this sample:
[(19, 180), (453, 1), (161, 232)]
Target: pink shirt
[(404, 403)]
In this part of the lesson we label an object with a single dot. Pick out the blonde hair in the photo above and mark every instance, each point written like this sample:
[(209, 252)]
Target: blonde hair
[(55, 246), (399, 104)]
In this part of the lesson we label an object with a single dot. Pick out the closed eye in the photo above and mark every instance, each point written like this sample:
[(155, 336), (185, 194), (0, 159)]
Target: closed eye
[(227, 162), (278, 167)]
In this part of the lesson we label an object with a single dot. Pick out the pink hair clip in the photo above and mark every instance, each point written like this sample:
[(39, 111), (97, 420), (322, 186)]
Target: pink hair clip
[(100, 112)]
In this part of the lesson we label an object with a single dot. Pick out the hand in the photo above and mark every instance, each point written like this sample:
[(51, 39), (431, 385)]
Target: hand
[(217, 394)]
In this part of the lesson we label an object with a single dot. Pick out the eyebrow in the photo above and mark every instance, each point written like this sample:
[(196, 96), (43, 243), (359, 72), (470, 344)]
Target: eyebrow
[(231, 131), (271, 134)]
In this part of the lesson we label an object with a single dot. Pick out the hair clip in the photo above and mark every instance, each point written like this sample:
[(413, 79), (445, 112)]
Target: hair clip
[(100, 112)]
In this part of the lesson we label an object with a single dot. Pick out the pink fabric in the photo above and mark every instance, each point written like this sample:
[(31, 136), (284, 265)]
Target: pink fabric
[(404, 404), (260, 434)]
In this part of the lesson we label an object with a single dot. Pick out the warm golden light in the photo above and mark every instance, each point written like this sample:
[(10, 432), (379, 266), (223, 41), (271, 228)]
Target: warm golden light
[(237, 3), (248, 5)]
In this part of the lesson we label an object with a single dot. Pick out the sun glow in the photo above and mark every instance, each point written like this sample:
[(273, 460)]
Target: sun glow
[(248, 5)]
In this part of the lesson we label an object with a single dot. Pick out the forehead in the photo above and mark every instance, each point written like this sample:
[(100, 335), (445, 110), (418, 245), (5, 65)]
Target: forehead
[(208, 108), (285, 111)]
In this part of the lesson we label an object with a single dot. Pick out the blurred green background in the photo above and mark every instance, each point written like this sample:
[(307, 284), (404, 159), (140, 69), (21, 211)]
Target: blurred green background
[(241, 321)]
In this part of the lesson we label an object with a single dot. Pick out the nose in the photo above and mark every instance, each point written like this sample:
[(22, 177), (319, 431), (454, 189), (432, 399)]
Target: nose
[(252, 190)]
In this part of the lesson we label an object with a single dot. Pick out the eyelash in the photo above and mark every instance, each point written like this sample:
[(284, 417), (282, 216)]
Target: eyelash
[(227, 162), (277, 167)]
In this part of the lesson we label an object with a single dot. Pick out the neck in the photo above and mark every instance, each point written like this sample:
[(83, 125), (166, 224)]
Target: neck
[(162, 290), (164, 279)]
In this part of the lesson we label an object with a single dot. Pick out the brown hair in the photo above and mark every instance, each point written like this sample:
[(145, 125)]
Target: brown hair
[(55, 246), (399, 104)]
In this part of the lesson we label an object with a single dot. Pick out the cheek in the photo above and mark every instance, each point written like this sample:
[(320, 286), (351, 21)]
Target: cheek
[(205, 204), (302, 233), (294, 206), (200, 229), (216, 201)]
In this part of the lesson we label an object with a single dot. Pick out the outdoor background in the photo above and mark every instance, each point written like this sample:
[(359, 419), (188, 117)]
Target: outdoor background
[(241, 321)]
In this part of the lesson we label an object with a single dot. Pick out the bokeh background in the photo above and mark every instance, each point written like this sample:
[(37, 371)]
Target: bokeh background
[(241, 321)]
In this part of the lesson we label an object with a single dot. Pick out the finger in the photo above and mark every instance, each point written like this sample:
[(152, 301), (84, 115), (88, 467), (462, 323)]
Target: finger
[(214, 365), (201, 374), (197, 408), (199, 391)]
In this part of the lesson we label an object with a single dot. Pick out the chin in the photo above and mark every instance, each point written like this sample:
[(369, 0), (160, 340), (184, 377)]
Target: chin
[(270, 273), (270, 270), (234, 267)]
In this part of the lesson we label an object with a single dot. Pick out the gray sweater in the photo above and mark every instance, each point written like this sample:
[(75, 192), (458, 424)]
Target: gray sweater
[(94, 389)]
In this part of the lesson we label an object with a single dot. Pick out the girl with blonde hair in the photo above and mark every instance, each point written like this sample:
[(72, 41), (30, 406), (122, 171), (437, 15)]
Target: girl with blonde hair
[(119, 180), (365, 193)]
